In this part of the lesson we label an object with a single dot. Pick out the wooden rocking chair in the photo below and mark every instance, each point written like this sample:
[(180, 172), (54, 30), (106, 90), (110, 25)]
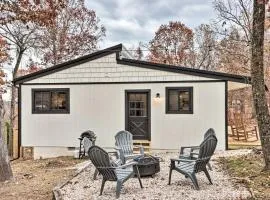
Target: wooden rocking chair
[(241, 131)]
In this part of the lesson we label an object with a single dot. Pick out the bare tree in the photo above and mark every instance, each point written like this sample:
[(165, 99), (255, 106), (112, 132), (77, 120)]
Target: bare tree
[(233, 54), (233, 25), (22, 39), (5, 169), (234, 13), (205, 42)]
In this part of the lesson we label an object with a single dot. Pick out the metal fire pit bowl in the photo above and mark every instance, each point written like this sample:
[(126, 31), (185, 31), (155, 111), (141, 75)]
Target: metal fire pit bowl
[(148, 165)]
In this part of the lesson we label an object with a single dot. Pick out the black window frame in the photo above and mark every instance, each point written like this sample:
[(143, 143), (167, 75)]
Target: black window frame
[(51, 90), (180, 89)]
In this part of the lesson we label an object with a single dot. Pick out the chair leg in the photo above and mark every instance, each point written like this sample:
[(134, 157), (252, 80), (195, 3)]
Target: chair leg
[(102, 186), (246, 135), (237, 135), (95, 174), (118, 189), (139, 176), (209, 166), (170, 176), (194, 181), (256, 133), (208, 176)]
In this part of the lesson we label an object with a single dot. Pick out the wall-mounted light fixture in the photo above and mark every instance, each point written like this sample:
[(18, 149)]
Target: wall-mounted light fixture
[(157, 99)]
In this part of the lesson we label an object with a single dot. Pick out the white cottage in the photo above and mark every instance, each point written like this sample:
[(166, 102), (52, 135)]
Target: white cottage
[(107, 91)]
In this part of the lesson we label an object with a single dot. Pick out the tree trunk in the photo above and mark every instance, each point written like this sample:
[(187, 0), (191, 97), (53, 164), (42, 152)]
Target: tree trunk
[(13, 101), (257, 76), (5, 168), (12, 119)]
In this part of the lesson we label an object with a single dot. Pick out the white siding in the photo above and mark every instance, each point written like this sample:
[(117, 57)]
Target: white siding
[(101, 108), (106, 69)]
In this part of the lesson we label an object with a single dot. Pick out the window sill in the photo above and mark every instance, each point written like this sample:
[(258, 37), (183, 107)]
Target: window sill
[(172, 112)]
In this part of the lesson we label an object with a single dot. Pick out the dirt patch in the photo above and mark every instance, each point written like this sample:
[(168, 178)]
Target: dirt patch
[(247, 169), (35, 179)]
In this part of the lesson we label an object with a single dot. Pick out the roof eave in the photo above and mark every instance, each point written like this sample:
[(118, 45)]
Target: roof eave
[(186, 70), (68, 64)]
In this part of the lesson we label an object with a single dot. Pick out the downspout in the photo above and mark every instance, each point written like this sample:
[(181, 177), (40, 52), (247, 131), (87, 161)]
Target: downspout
[(226, 116)]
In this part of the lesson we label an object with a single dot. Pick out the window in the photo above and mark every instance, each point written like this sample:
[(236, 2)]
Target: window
[(179, 100), (51, 100), (137, 105)]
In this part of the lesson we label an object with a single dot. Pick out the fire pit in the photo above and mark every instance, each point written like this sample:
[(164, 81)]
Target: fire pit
[(148, 165)]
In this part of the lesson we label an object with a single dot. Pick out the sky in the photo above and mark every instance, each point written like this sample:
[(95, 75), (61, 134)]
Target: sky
[(132, 21)]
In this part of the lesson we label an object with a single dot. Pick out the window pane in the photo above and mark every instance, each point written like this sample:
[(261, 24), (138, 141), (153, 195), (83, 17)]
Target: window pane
[(42, 101), (184, 100), (173, 100), (132, 97), (131, 113), (132, 104), (59, 100)]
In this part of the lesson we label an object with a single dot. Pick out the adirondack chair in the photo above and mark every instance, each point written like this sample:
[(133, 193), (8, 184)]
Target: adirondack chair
[(190, 167), (241, 130), (101, 160), (124, 144), (193, 151), (87, 143)]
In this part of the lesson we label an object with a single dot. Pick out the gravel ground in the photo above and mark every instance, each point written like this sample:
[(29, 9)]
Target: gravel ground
[(84, 187)]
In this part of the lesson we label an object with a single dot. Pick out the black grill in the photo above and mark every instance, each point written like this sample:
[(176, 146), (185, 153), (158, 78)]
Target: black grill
[(89, 134)]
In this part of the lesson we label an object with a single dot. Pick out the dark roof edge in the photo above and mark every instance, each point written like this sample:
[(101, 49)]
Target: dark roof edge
[(186, 70), (68, 64)]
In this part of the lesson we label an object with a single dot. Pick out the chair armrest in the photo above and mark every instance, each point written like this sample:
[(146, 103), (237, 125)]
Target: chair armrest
[(181, 160), (188, 147), (127, 165), (107, 167), (113, 153)]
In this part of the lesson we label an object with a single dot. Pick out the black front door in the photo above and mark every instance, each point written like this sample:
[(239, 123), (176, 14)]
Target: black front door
[(138, 113)]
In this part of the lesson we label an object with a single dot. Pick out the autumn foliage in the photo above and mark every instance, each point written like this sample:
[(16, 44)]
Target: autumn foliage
[(4, 56), (75, 31), (38, 11), (172, 44)]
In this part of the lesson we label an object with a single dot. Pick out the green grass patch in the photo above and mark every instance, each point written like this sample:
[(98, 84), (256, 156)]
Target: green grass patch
[(247, 170), (241, 146)]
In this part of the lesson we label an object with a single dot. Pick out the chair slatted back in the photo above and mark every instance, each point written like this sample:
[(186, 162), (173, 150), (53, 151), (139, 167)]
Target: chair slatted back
[(207, 149), (124, 140), (209, 132), (101, 160), (87, 143), (239, 121)]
